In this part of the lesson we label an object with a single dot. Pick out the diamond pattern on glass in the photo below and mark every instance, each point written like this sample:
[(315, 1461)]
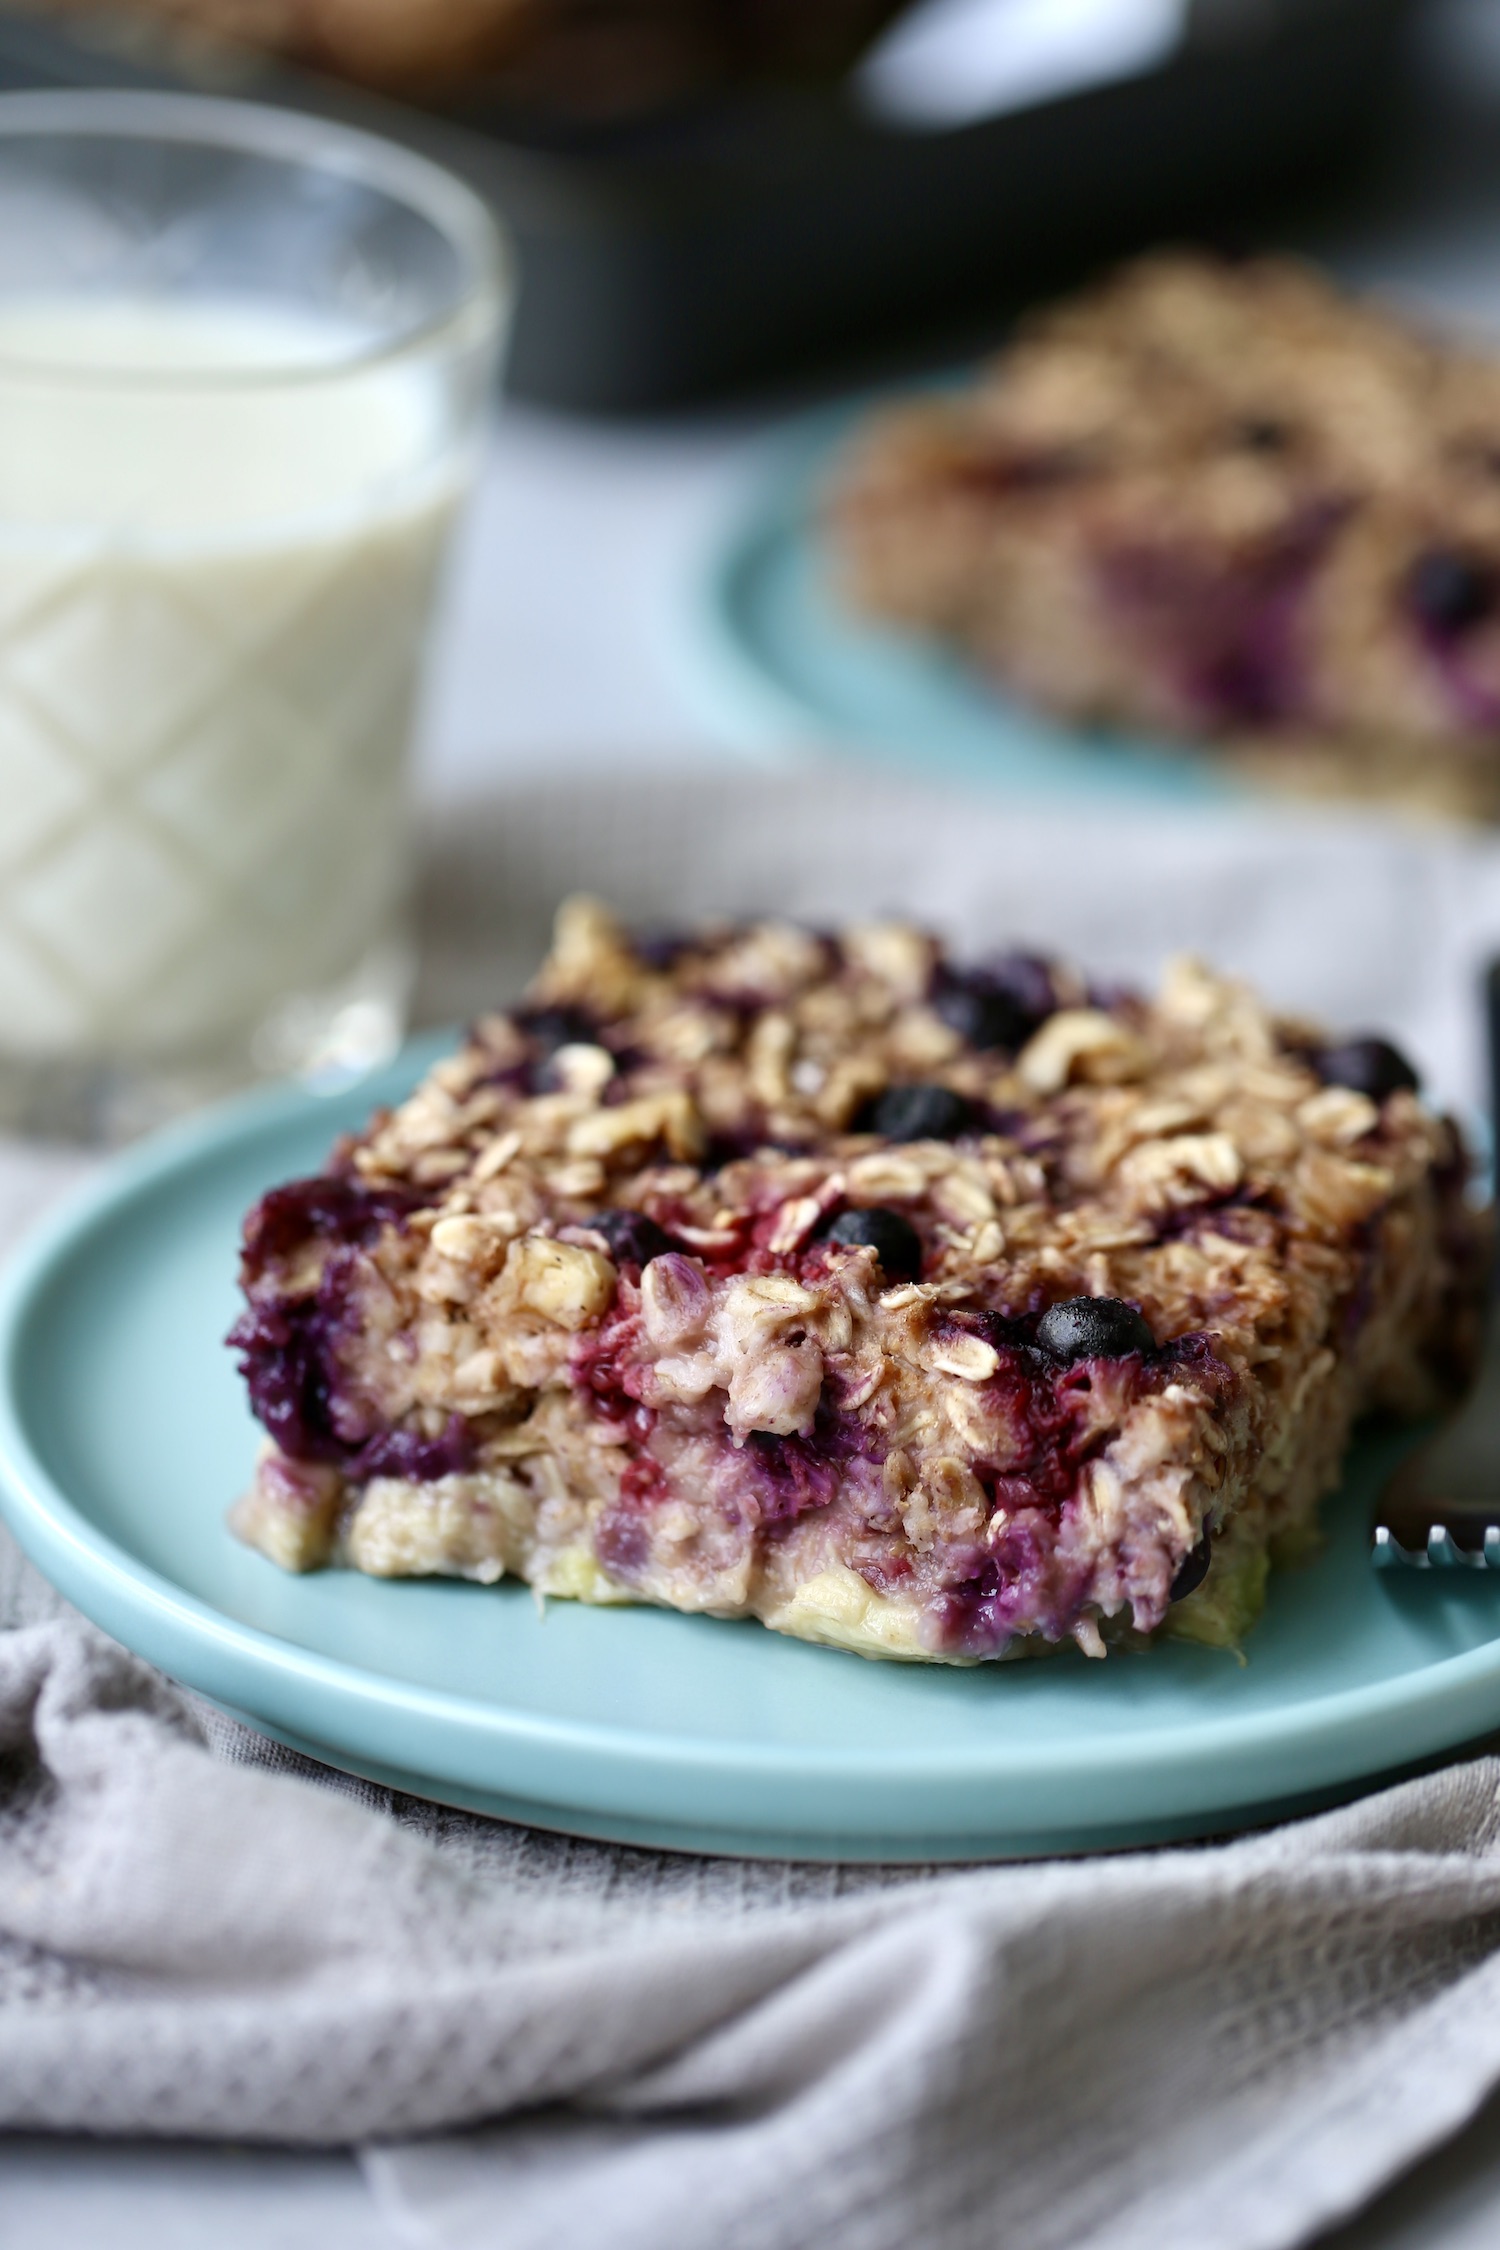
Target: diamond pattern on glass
[(43, 786), (202, 776), (114, 659), (44, 1008)]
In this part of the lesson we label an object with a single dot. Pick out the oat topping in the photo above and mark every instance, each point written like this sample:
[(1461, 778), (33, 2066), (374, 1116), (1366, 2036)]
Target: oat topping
[(934, 1311)]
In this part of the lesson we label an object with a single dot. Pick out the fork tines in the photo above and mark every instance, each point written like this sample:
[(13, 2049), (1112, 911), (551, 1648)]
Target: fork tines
[(1441, 1552)]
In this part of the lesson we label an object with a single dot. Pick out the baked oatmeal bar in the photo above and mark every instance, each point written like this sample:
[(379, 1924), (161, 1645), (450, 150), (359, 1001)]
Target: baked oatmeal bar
[(932, 1311), (1212, 500)]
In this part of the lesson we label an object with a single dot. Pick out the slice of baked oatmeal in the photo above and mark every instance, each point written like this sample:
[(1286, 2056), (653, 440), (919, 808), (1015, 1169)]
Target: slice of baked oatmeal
[(1213, 500), (931, 1311)]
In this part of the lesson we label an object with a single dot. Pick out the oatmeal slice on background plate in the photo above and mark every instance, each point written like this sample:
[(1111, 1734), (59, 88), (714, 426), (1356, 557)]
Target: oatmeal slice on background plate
[(1219, 501)]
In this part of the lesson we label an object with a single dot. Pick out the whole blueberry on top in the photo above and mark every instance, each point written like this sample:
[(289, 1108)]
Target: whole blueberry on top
[(1093, 1328), (893, 1239), (633, 1238), (917, 1113), (552, 1028), (1366, 1066), (995, 1003), (1450, 592), (983, 1018), (1027, 977)]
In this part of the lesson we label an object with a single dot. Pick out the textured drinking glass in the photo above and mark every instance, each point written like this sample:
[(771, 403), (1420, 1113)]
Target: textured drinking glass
[(244, 359)]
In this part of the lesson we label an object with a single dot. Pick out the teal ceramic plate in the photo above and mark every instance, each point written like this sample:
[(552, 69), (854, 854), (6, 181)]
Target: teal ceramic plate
[(123, 1438), (773, 653)]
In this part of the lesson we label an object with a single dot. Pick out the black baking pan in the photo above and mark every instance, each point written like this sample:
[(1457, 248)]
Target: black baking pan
[(738, 240)]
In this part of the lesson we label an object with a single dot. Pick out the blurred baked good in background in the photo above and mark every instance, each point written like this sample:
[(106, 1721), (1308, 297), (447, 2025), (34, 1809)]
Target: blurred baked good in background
[(1222, 502), (706, 195), (573, 57)]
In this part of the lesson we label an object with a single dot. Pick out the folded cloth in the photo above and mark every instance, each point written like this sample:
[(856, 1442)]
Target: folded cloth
[(540, 2042), (1229, 2044)]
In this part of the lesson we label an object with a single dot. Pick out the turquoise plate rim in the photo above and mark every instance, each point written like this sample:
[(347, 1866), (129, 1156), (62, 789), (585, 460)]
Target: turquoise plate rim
[(687, 1793)]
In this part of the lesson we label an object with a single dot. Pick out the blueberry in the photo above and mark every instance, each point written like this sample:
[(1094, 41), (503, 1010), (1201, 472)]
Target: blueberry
[(552, 1028), (983, 1019), (1093, 1328), (660, 948), (1449, 591), (403, 1453), (918, 1113), (894, 1240), (998, 1003), (340, 1209), (1028, 980), (1192, 1570), (1365, 1066), (1263, 433), (633, 1239)]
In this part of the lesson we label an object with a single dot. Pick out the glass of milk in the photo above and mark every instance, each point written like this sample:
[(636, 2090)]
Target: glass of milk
[(244, 360)]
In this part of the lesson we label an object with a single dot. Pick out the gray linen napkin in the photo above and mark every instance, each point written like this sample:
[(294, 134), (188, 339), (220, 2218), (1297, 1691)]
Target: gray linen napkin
[(1232, 2045), (543, 2042)]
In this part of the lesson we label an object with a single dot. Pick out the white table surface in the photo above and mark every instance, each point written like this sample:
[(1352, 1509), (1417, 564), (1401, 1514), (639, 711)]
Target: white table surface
[(564, 643)]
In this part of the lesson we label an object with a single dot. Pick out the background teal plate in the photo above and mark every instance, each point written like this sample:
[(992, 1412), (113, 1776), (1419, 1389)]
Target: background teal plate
[(123, 1438), (774, 654)]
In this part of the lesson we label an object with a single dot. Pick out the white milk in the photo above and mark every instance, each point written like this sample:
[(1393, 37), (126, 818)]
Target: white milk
[(213, 595)]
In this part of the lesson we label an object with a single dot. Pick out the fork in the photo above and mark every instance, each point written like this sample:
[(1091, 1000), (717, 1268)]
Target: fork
[(1440, 1509)]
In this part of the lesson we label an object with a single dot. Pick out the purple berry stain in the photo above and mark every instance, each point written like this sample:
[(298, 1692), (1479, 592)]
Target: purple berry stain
[(289, 1345)]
